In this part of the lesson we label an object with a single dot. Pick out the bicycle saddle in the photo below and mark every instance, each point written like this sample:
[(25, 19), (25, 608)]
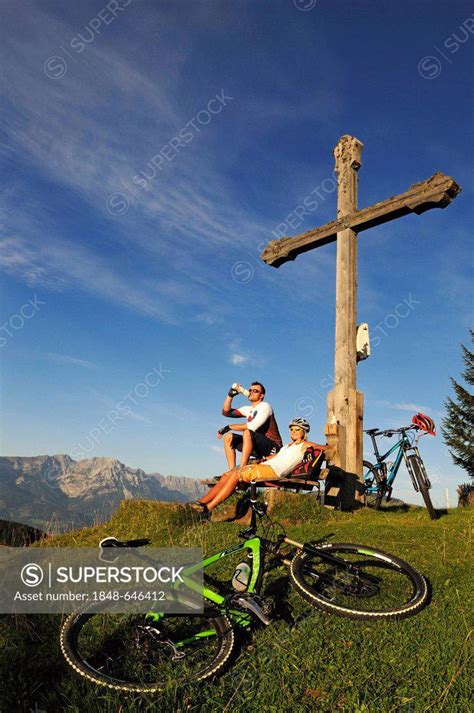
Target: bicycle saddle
[(371, 430), (114, 542)]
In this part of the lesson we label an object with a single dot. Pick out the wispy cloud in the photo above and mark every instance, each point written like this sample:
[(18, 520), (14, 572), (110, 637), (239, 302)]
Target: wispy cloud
[(66, 359), (239, 359), (67, 135), (407, 406), (62, 129), (59, 266), (239, 355), (64, 133), (209, 318)]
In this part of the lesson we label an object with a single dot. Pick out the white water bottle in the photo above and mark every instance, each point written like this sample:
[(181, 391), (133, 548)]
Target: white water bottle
[(241, 390), (241, 578)]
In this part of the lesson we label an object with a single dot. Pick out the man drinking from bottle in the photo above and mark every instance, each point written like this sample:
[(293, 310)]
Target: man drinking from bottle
[(258, 435)]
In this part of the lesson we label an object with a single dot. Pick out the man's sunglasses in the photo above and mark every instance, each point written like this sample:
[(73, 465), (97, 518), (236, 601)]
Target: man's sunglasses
[(255, 391)]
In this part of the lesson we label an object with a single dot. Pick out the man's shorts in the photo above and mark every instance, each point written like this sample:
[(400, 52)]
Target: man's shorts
[(262, 446), (256, 471)]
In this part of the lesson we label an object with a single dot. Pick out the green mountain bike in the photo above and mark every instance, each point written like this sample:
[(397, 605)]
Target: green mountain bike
[(151, 652)]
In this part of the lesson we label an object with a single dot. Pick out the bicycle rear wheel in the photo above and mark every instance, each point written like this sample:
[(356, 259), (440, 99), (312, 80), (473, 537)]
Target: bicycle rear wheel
[(372, 479), (129, 652), (362, 582), (419, 474)]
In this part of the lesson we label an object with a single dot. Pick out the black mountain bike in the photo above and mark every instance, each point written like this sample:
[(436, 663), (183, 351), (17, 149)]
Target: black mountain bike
[(150, 652)]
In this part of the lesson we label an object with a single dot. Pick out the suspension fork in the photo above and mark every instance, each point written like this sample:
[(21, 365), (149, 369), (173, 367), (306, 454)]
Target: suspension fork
[(422, 468), (406, 448)]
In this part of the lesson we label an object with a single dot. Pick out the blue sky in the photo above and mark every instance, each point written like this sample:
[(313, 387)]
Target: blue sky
[(151, 149)]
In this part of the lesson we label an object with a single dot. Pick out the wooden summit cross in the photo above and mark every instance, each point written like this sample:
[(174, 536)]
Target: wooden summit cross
[(345, 404)]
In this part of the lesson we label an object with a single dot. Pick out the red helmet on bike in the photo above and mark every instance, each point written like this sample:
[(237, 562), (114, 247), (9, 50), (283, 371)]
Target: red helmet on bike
[(425, 423)]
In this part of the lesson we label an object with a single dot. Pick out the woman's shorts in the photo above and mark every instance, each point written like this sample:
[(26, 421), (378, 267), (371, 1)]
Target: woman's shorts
[(256, 471)]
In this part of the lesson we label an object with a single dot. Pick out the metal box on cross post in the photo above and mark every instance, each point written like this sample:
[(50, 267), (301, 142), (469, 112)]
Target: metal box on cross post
[(362, 342)]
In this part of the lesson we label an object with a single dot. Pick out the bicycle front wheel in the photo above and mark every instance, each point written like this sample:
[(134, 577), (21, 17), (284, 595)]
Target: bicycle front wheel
[(131, 653), (421, 478), (361, 582)]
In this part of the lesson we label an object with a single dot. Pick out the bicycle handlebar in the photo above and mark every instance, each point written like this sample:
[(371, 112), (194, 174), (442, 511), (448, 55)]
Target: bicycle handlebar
[(390, 431)]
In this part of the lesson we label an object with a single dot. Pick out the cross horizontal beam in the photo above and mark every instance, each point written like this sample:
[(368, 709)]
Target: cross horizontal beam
[(435, 192)]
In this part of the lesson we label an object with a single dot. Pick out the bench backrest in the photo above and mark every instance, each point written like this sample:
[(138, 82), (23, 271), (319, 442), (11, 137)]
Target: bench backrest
[(311, 464)]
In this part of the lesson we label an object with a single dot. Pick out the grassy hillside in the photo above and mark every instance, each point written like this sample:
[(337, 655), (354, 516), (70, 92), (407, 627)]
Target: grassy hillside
[(321, 663)]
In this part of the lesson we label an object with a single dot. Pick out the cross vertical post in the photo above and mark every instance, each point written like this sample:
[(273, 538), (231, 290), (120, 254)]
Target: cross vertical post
[(344, 403)]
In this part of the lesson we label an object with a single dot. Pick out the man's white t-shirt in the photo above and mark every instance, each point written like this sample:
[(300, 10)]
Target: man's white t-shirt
[(287, 458), (256, 415)]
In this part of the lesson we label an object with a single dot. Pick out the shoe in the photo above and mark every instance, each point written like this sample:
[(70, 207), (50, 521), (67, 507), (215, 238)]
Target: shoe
[(200, 508)]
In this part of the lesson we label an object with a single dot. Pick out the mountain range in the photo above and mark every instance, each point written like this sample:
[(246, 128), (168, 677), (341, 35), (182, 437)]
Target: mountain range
[(58, 493)]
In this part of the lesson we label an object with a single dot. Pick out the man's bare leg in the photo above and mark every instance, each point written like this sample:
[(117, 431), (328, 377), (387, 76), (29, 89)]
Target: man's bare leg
[(246, 447), (229, 451)]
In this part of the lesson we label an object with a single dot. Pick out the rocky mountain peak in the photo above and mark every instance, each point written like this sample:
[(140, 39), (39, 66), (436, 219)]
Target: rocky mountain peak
[(36, 489)]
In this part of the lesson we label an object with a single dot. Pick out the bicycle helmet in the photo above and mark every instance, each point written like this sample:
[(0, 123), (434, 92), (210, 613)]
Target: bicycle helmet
[(301, 423), (425, 423)]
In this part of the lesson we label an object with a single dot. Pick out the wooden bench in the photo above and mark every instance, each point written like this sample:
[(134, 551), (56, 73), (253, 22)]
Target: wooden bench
[(299, 482), (309, 476)]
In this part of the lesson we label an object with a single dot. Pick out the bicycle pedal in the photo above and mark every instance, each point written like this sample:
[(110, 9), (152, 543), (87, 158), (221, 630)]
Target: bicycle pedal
[(388, 492), (254, 606)]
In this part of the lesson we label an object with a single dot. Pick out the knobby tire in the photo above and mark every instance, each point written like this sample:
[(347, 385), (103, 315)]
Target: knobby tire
[(401, 591), (146, 666)]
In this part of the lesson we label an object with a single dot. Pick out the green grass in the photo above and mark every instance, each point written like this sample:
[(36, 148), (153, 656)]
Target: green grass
[(322, 663)]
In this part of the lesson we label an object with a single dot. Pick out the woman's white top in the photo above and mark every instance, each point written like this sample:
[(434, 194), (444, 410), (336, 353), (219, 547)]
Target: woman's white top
[(287, 459)]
